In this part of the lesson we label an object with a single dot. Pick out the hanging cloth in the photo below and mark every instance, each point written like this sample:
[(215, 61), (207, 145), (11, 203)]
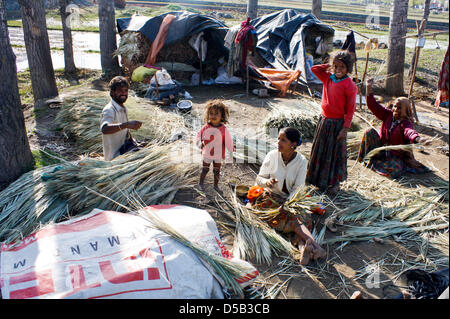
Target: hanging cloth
[(246, 36), (443, 85)]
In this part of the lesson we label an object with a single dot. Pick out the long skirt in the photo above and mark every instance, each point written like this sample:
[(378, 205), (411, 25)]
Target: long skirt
[(270, 200), (327, 166), (385, 163)]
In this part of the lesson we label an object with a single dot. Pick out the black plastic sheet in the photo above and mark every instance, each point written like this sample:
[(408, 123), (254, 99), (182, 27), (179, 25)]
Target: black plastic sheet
[(284, 35)]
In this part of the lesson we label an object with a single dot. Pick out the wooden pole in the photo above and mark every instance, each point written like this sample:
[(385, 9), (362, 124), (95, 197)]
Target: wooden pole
[(425, 35), (347, 28), (201, 63), (246, 65), (418, 47), (362, 80)]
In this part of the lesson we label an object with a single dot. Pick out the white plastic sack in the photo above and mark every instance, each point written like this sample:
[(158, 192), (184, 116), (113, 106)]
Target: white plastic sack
[(223, 78), (163, 78), (115, 255)]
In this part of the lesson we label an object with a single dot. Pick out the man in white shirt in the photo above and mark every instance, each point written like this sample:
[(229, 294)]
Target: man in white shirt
[(114, 122)]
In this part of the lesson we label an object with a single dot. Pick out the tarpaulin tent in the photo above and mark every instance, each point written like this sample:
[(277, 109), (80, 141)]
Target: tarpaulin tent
[(284, 37), (185, 26)]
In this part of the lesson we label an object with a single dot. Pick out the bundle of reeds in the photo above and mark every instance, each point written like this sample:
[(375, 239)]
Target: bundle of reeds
[(80, 118), (72, 188), (230, 271), (353, 143), (133, 49), (379, 208), (303, 117), (251, 149), (304, 201), (253, 237)]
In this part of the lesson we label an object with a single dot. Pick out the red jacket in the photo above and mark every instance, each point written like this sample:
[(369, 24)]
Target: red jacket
[(403, 133), (338, 99), (216, 140)]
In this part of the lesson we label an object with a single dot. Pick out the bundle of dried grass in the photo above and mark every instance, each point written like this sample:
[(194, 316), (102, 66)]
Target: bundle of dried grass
[(376, 207), (251, 149), (80, 118), (354, 143), (230, 271), (71, 188), (133, 50), (253, 237), (303, 117)]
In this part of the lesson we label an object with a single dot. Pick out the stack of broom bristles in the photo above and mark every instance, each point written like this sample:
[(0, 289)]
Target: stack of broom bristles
[(59, 191), (303, 117), (379, 208), (80, 121)]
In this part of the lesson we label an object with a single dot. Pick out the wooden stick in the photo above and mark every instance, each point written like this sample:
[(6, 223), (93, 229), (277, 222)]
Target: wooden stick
[(201, 64), (248, 80), (414, 72), (419, 31), (362, 80), (347, 28), (413, 106), (424, 35)]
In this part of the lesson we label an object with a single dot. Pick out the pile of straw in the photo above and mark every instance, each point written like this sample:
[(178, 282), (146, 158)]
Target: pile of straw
[(253, 237), (303, 117), (379, 208), (59, 191), (133, 49), (79, 120), (230, 271)]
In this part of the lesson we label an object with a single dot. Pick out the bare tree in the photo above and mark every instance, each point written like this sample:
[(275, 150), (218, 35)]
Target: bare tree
[(426, 13), (252, 9), (396, 47), (39, 57), (65, 12), (15, 155), (108, 41), (317, 8)]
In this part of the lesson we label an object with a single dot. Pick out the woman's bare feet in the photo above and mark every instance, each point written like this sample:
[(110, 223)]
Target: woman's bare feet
[(305, 253), (318, 253), (295, 240)]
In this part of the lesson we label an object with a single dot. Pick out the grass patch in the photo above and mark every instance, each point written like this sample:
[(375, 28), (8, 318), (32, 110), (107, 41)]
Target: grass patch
[(428, 66), (42, 159), (63, 80)]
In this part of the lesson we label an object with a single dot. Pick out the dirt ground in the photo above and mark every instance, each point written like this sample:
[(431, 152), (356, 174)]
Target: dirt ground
[(330, 278)]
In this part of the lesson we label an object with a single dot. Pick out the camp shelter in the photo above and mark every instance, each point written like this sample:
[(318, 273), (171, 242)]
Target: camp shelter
[(287, 39), (176, 55)]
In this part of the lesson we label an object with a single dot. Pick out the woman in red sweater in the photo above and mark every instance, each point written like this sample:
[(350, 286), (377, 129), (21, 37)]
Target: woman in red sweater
[(396, 129), (327, 166)]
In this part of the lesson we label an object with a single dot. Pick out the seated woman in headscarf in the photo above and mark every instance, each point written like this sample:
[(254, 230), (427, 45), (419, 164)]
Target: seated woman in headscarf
[(282, 172), (396, 129)]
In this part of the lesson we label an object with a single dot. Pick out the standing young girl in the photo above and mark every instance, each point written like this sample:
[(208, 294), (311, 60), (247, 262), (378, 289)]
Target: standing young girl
[(214, 139), (327, 165)]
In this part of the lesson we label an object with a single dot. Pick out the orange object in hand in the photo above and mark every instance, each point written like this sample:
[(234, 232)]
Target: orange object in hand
[(318, 209), (254, 192)]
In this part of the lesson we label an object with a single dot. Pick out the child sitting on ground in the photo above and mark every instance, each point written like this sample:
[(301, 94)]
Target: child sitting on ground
[(213, 138)]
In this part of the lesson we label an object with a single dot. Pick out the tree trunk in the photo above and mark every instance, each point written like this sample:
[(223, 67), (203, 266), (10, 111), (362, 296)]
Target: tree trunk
[(69, 63), (108, 43), (426, 13), (252, 9), (317, 8), (15, 155), (40, 63), (396, 48)]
